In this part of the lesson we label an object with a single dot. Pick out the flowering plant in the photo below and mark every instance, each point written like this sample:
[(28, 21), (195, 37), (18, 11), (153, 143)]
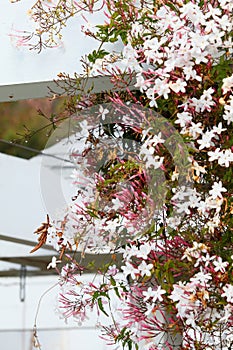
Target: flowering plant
[(175, 279)]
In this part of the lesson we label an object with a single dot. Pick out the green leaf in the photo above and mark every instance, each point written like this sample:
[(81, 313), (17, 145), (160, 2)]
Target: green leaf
[(101, 307), (117, 292), (92, 57), (113, 282)]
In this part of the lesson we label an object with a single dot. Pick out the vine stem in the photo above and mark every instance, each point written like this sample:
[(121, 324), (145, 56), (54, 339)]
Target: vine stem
[(35, 338)]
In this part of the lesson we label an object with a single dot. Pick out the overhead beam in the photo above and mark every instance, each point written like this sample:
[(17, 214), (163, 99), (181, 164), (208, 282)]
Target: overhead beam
[(42, 89), (40, 262), (23, 242), (30, 273), (92, 262)]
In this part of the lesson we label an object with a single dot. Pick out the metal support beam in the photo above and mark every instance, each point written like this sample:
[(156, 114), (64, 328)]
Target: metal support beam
[(42, 89), (23, 242), (92, 261)]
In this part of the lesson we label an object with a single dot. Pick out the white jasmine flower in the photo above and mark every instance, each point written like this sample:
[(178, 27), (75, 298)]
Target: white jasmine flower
[(228, 293), (145, 268), (103, 112), (195, 129), (205, 141), (220, 265), (128, 252), (178, 86), (213, 12), (227, 84), (217, 190), (157, 139), (214, 155), (183, 118), (154, 294), (213, 223), (174, 222), (206, 259), (112, 270), (154, 161), (191, 73), (205, 102), (150, 93), (129, 269), (141, 83), (116, 203), (218, 129), (225, 158), (162, 87), (53, 263), (228, 111), (144, 251)]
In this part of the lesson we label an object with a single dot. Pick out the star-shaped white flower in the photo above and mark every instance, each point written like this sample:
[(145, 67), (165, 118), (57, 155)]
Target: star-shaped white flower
[(154, 294), (217, 190), (220, 265)]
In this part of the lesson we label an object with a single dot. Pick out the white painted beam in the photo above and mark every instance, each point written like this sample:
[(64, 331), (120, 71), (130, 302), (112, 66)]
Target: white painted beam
[(42, 89)]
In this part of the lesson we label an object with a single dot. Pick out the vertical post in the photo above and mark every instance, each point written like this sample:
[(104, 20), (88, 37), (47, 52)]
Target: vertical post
[(22, 283)]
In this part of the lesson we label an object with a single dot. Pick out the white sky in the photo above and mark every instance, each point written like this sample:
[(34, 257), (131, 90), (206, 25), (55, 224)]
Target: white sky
[(53, 332), (20, 65)]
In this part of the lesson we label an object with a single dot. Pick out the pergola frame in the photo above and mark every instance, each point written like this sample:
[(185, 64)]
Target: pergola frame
[(36, 90), (25, 91)]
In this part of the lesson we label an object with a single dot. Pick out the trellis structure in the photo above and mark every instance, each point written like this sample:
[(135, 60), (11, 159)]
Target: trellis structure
[(27, 75), (24, 188)]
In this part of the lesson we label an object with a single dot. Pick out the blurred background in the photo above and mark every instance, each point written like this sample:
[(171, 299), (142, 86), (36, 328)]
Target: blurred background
[(27, 123)]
